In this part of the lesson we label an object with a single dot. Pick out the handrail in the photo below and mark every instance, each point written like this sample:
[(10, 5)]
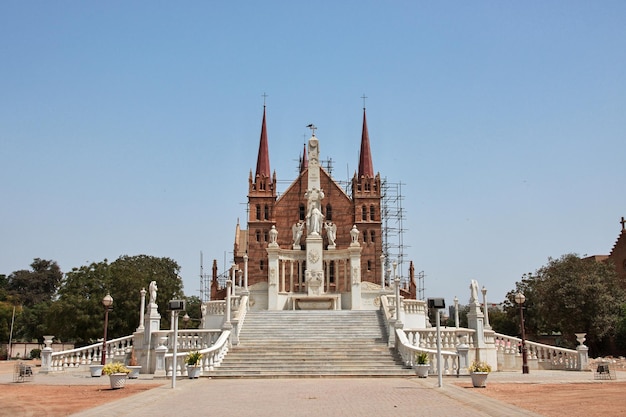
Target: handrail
[(212, 356), (409, 352), (86, 355), (557, 357)]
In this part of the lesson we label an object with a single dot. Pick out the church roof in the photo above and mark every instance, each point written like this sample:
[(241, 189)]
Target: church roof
[(366, 168), (263, 159), (304, 162)]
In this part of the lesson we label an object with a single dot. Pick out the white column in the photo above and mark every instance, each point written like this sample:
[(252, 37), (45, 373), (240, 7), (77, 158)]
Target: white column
[(486, 309), (382, 272), (227, 325), (456, 311), (142, 309), (245, 272)]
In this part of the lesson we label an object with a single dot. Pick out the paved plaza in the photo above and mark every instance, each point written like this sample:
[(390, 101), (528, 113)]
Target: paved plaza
[(311, 396)]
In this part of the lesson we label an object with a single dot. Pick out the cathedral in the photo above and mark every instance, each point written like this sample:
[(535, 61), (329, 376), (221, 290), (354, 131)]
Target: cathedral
[(315, 245)]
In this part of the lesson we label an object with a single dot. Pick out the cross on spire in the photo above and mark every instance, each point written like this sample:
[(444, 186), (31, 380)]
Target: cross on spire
[(623, 222), (313, 128), (264, 97), (363, 97)]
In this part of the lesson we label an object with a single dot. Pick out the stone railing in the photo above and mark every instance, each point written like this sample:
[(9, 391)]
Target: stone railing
[(212, 356), (450, 337), (408, 351), (188, 339), (86, 355), (413, 306), (539, 356)]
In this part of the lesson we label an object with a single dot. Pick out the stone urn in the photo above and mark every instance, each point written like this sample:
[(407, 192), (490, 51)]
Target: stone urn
[(96, 370), (193, 371), (134, 371), (117, 380), (479, 379)]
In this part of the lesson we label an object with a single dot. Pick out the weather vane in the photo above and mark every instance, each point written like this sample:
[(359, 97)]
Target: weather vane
[(312, 127)]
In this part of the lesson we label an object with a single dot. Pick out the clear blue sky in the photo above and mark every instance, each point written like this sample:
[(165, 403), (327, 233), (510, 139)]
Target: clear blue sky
[(130, 127)]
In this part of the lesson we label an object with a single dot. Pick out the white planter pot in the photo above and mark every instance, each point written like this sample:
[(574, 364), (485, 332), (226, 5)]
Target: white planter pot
[(117, 380), (193, 372), (96, 370), (479, 379), (421, 370), (134, 371)]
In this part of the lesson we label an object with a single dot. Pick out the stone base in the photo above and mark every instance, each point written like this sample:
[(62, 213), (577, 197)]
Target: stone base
[(316, 302)]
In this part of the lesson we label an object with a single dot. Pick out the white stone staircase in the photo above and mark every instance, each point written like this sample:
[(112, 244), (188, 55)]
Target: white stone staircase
[(311, 343)]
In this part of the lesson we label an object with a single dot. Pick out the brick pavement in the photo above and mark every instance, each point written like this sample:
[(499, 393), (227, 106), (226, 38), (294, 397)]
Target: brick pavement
[(308, 397)]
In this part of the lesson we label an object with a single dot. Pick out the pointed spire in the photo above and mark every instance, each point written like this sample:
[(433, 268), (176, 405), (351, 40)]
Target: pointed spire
[(366, 168), (304, 162), (263, 160)]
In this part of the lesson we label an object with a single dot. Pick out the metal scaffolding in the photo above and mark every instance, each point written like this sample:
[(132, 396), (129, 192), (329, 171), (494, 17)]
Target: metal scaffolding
[(393, 216)]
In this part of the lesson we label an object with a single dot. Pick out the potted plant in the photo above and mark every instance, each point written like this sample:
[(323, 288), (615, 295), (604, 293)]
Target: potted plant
[(96, 370), (133, 366), (117, 373), (193, 360), (479, 372), (421, 364)]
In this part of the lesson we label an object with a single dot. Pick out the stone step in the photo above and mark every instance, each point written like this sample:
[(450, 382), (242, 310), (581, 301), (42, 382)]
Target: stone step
[(276, 344)]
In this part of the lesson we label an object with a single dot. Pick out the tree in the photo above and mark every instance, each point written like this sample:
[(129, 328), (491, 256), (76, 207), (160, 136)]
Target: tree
[(78, 314), (572, 295), (36, 286)]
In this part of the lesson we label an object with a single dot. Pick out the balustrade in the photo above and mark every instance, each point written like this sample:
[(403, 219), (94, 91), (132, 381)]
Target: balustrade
[(91, 354), (550, 357)]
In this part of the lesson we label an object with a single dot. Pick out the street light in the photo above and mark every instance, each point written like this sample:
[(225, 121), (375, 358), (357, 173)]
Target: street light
[(519, 299), (107, 302)]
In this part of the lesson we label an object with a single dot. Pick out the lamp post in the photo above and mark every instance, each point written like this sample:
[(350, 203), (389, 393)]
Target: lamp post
[(107, 302), (456, 311), (519, 299)]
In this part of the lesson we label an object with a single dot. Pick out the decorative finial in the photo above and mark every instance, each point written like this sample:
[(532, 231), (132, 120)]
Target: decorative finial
[(264, 97), (623, 222), (363, 97), (313, 128)]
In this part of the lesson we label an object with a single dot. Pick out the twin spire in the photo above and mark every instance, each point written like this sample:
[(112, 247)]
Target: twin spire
[(366, 167)]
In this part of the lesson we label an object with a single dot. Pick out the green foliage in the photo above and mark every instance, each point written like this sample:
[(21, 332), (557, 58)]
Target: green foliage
[(479, 367), (78, 314), (421, 358), (36, 286), (571, 295), (193, 358), (35, 354), (115, 368)]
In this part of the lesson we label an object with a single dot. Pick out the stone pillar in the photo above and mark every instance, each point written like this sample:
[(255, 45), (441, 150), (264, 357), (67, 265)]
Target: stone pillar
[(462, 350), (160, 371), (486, 308), (382, 273), (245, 274), (272, 282), (227, 324), (142, 309), (583, 352), (46, 355), (456, 311), (396, 281), (355, 276)]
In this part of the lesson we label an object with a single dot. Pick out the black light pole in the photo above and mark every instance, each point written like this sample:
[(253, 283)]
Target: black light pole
[(107, 302), (519, 299)]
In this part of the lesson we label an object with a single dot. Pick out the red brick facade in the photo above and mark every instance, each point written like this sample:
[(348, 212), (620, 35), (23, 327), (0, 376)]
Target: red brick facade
[(266, 209)]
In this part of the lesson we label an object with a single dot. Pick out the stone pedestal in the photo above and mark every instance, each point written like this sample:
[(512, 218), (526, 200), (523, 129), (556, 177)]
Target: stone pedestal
[(272, 284), (314, 273)]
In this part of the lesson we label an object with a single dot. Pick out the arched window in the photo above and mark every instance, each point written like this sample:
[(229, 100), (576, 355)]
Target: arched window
[(372, 212), (331, 271), (258, 235), (265, 236), (373, 236), (261, 264), (365, 236), (258, 212), (329, 212), (267, 212), (369, 265), (364, 213), (302, 214)]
